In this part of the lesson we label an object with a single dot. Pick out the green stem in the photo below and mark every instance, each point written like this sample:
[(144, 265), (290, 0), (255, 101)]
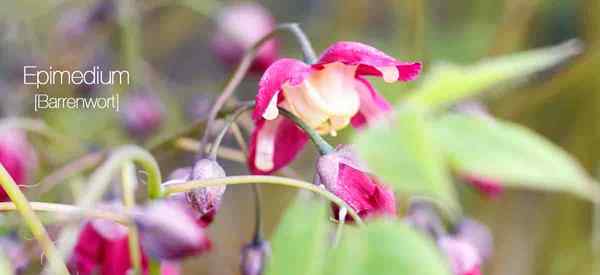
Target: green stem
[(130, 35), (31, 219), (190, 185), (243, 68), (230, 121), (323, 146), (307, 49), (257, 214), (68, 209), (129, 182)]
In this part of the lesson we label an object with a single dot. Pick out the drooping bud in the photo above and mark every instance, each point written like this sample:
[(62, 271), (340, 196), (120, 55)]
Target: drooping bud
[(462, 256), (207, 200), (15, 252), (423, 217), (18, 156), (169, 232), (238, 28), (343, 174), (254, 257), (489, 187), (142, 114), (476, 234)]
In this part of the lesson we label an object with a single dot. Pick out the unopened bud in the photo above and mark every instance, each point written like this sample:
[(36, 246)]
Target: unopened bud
[(168, 231), (463, 257), (254, 257), (424, 217), (207, 200), (142, 114), (476, 234)]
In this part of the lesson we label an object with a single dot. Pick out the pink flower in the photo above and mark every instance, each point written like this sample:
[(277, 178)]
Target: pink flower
[(18, 156), (142, 114), (342, 174), (462, 256), (103, 248), (487, 186), (238, 28), (327, 96)]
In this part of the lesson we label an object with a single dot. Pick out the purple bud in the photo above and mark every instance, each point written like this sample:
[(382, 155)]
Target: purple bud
[(476, 234), (254, 257), (423, 217), (169, 232), (142, 114), (15, 252), (207, 200), (463, 257)]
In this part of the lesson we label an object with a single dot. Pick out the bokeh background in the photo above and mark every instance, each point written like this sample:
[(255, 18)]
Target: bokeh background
[(535, 233)]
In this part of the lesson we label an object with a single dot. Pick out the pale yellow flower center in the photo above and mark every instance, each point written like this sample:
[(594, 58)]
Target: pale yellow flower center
[(326, 100)]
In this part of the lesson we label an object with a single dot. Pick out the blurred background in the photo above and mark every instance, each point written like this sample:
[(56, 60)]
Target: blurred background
[(173, 50)]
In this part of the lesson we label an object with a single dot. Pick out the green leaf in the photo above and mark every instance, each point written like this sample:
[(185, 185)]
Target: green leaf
[(512, 154), (386, 248), (447, 84), (404, 155), (300, 241)]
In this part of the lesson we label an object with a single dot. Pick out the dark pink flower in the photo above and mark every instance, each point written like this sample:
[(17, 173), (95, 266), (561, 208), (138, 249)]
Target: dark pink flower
[(327, 96), (342, 174), (487, 186), (18, 156), (169, 231), (103, 248), (238, 28), (462, 256), (142, 114)]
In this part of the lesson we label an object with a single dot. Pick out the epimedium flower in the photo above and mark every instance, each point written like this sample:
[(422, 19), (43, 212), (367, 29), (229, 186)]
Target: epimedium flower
[(328, 96), (18, 156), (142, 113), (169, 231), (103, 248), (238, 27), (464, 258), (205, 201), (343, 174)]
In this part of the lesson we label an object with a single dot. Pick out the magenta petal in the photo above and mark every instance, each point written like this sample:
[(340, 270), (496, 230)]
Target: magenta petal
[(489, 187), (87, 253), (369, 60), (372, 105), (285, 137), (283, 71), (363, 193)]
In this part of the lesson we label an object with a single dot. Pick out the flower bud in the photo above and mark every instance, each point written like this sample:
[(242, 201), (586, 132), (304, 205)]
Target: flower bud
[(343, 174), (254, 257), (476, 234), (207, 200), (238, 28), (169, 232), (18, 156), (489, 187), (142, 114), (423, 217), (15, 252), (463, 257)]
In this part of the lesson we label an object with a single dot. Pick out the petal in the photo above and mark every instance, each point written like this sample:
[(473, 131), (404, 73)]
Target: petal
[(283, 71), (274, 144), (491, 188), (88, 252), (363, 192), (370, 61), (372, 105)]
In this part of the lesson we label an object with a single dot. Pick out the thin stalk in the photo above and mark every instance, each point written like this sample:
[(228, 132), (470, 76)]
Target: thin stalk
[(130, 35), (33, 222), (71, 210), (230, 120), (323, 146), (191, 145), (129, 182), (190, 185), (340, 226), (243, 68), (258, 234)]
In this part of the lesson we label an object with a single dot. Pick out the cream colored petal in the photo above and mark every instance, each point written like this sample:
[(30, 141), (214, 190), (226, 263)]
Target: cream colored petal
[(390, 74), (265, 146), (272, 112)]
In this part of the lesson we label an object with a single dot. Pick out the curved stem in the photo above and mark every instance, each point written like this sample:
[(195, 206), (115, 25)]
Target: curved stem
[(70, 210), (231, 119), (129, 182), (190, 185), (307, 49), (31, 219), (243, 68), (38, 127), (323, 146)]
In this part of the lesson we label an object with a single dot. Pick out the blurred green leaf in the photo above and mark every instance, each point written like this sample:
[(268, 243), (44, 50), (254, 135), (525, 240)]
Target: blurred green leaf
[(510, 153), (404, 155), (386, 248), (5, 265), (300, 241), (447, 84)]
